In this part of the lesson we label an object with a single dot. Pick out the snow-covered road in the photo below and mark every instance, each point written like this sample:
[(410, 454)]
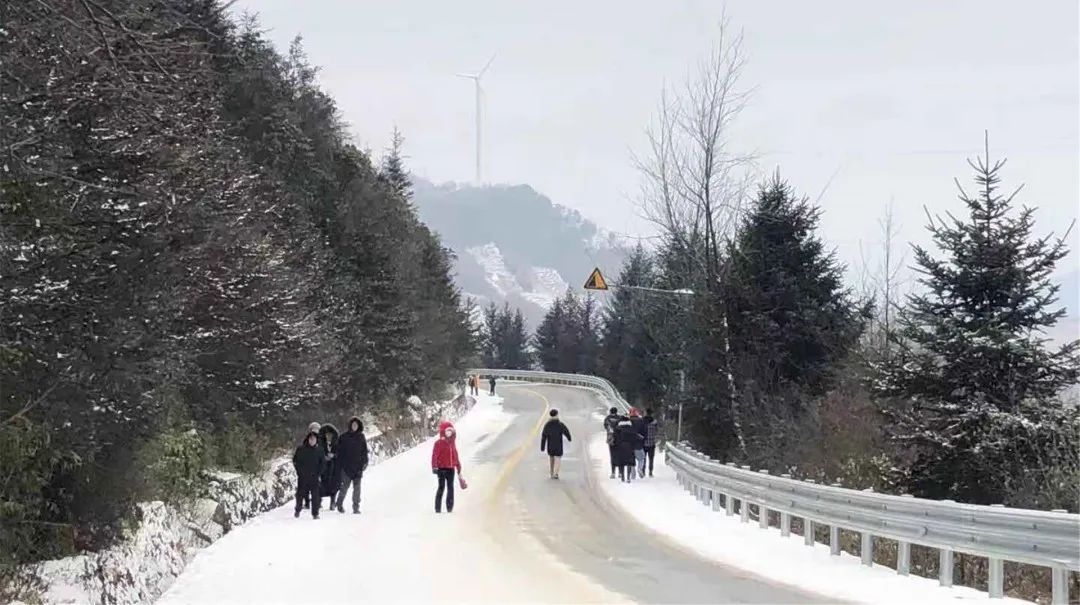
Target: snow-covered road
[(515, 535)]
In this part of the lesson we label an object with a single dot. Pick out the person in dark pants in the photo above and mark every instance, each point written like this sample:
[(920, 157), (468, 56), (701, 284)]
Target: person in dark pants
[(652, 433), (331, 474), (308, 462), (352, 461), (611, 422), (627, 441), (639, 452), (491, 381), (444, 461), (551, 439), (312, 428)]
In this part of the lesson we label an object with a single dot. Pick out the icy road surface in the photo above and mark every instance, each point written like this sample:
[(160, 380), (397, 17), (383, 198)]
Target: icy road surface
[(514, 536)]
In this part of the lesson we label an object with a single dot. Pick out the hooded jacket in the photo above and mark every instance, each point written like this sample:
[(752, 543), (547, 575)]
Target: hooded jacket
[(328, 441), (552, 437), (627, 440), (445, 454), (352, 453), (610, 422), (308, 461), (639, 425)]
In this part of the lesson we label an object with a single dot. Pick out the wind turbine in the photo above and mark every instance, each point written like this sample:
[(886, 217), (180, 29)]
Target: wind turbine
[(479, 93)]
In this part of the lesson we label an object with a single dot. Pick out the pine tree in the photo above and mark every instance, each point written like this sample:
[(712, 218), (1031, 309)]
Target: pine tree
[(791, 321), (976, 385), (393, 167), (547, 337), (629, 352)]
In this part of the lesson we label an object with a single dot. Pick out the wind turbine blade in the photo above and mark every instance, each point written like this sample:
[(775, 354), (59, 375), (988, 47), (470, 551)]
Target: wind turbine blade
[(470, 76), (481, 74)]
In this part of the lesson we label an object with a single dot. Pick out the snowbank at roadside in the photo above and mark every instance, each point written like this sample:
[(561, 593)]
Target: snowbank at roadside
[(661, 505), (360, 558), (165, 538)]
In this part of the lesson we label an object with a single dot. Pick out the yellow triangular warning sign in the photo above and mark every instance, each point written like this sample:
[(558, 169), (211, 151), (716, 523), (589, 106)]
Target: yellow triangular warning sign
[(596, 281)]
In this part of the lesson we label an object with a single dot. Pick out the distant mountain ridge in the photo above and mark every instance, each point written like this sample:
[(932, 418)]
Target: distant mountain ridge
[(514, 244)]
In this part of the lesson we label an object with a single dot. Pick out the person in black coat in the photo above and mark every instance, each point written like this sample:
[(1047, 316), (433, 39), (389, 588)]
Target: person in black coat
[(352, 461), (627, 440), (330, 479), (308, 462), (551, 440), (611, 421)]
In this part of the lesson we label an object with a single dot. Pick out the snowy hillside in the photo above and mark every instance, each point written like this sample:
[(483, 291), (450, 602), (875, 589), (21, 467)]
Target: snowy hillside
[(515, 245)]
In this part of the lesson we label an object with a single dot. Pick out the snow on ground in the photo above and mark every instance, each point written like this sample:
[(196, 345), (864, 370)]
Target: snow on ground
[(660, 504), (397, 550)]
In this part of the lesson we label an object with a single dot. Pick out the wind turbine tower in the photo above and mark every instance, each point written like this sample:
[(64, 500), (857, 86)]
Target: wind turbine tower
[(479, 94)]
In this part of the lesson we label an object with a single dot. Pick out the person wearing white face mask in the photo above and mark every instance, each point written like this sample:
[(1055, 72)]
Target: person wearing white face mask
[(444, 461)]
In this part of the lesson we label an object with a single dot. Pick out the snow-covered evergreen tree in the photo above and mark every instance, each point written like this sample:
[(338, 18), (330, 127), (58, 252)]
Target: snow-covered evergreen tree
[(976, 385)]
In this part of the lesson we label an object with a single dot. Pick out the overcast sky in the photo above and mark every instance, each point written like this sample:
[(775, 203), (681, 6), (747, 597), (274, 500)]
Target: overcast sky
[(863, 102)]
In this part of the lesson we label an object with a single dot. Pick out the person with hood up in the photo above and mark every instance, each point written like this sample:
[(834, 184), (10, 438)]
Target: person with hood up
[(652, 433), (308, 462), (627, 442), (639, 452), (331, 479), (491, 381), (551, 439), (611, 421), (352, 461), (444, 461), (311, 428)]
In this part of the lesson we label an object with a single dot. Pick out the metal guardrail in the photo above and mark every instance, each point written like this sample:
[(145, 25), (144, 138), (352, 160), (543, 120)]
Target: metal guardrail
[(1045, 538)]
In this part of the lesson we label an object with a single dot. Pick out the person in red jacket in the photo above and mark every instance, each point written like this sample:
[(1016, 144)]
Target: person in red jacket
[(444, 461)]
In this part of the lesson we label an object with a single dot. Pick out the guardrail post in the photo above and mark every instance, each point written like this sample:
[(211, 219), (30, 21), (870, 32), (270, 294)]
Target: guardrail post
[(716, 501), (785, 524), (729, 505), (763, 516), (903, 558), (1059, 578), (808, 531), (995, 584), (945, 567), (866, 550), (744, 510), (834, 540)]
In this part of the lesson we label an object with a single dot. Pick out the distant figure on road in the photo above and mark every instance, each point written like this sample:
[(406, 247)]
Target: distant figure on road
[(491, 381), (551, 440), (474, 385), (331, 475), (611, 422), (627, 441), (639, 451), (652, 433), (352, 461), (444, 461), (308, 462)]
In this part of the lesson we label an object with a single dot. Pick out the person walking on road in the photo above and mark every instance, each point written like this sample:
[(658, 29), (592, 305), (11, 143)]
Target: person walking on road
[(331, 475), (627, 441), (551, 440), (308, 462), (491, 381), (444, 461), (352, 461), (312, 428), (638, 424), (652, 433), (611, 422)]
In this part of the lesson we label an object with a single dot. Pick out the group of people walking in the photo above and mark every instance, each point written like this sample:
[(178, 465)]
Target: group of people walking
[(328, 465), (631, 442), (474, 384)]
